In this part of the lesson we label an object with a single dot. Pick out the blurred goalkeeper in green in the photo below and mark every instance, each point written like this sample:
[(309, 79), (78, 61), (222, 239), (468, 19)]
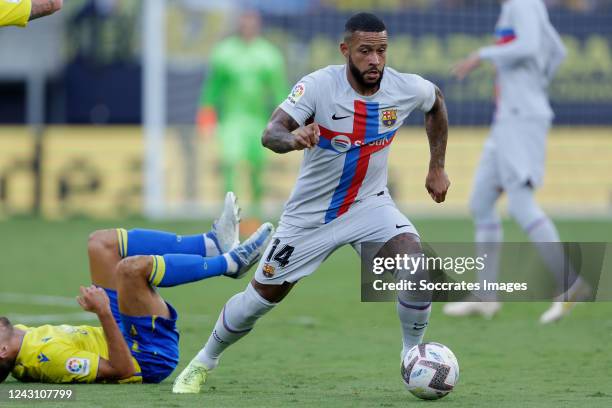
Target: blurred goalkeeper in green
[(246, 81)]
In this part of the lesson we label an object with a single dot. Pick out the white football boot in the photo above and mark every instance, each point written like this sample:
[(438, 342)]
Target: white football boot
[(191, 379), (248, 253), (565, 302), (224, 231), (461, 309)]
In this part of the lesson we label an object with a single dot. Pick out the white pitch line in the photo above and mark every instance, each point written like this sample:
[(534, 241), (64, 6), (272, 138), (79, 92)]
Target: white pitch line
[(44, 300), (65, 301), (308, 321)]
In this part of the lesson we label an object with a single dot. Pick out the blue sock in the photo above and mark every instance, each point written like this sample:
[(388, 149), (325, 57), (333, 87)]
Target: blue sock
[(150, 242), (177, 269)]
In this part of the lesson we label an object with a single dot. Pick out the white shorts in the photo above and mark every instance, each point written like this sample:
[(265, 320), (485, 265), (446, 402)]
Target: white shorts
[(296, 252), (514, 153)]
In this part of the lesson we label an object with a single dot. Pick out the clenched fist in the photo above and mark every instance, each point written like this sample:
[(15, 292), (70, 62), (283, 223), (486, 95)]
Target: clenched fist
[(306, 137), (437, 184), (94, 299)]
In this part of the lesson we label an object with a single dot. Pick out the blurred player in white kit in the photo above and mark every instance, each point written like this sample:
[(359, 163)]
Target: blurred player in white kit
[(345, 118), (527, 54)]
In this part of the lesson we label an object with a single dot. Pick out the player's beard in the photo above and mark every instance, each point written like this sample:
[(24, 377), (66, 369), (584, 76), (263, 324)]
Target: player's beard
[(360, 76)]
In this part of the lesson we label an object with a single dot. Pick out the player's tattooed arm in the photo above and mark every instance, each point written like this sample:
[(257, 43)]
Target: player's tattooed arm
[(283, 134), (41, 8), (436, 126)]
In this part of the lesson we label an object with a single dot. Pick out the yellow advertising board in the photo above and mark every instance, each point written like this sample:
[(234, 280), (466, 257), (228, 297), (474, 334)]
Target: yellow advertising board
[(93, 171), (97, 171), (16, 172), (578, 179)]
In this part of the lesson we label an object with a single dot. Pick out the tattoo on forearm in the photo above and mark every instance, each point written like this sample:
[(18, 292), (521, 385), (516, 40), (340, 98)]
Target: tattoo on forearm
[(436, 126), (277, 136), (41, 8)]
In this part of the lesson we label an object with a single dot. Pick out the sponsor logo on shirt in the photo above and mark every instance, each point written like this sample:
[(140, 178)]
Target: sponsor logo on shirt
[(342, 143), (78, 366), (380, 142), (296, 93)]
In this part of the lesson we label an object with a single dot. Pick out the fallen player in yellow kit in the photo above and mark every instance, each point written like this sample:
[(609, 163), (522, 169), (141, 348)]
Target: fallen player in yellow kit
[(138, 339)]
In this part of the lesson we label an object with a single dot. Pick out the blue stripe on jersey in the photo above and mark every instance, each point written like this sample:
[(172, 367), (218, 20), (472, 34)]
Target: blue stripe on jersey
[(371, 122), (504, 32), (326, 144), (350, 162), (350, 165)]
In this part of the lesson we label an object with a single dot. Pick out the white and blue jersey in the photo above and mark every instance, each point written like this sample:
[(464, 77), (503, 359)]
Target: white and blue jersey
[(527, 53), (350, 162)]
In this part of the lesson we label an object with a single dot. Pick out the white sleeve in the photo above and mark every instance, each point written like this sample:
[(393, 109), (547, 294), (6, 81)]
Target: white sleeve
[(558, 54), (427, 95), (526, 28), (301, 101)]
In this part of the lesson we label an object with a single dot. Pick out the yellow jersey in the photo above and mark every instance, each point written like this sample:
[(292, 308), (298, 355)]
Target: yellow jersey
[(62, 354), (15, 12)]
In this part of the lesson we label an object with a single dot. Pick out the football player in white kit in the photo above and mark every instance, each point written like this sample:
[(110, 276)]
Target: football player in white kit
[(527, 54), (344, 117)]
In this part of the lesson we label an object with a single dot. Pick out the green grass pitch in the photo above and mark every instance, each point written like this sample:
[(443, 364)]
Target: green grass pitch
[(321, 346)]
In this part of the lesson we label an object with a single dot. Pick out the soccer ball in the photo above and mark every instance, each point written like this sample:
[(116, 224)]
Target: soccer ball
[(430, 371)]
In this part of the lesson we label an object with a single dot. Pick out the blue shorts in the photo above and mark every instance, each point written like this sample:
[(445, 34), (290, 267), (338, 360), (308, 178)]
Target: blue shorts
[(153, 340)]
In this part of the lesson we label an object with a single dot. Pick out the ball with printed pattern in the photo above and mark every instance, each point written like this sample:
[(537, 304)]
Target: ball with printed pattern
[(430, 371)]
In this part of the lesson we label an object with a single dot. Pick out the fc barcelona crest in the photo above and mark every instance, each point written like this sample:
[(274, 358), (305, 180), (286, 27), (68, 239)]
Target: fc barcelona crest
[(389, 117), (268, 270)]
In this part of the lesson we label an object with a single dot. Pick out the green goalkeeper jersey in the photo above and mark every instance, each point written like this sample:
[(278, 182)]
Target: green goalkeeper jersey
[(245, 79)]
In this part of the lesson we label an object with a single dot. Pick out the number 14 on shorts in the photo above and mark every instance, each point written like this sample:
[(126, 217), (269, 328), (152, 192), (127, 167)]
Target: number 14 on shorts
[(280, 256)]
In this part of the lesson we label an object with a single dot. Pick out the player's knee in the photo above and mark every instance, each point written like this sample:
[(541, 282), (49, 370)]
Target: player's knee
[(409, 239), (481, 210), (522, 206), (57, 5), (272, 293), (102, 242), (135, 267), (405, 243)]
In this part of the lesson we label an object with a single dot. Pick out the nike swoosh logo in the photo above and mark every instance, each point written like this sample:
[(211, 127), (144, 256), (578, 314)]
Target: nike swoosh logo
[(401, 226), (334, 117)]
